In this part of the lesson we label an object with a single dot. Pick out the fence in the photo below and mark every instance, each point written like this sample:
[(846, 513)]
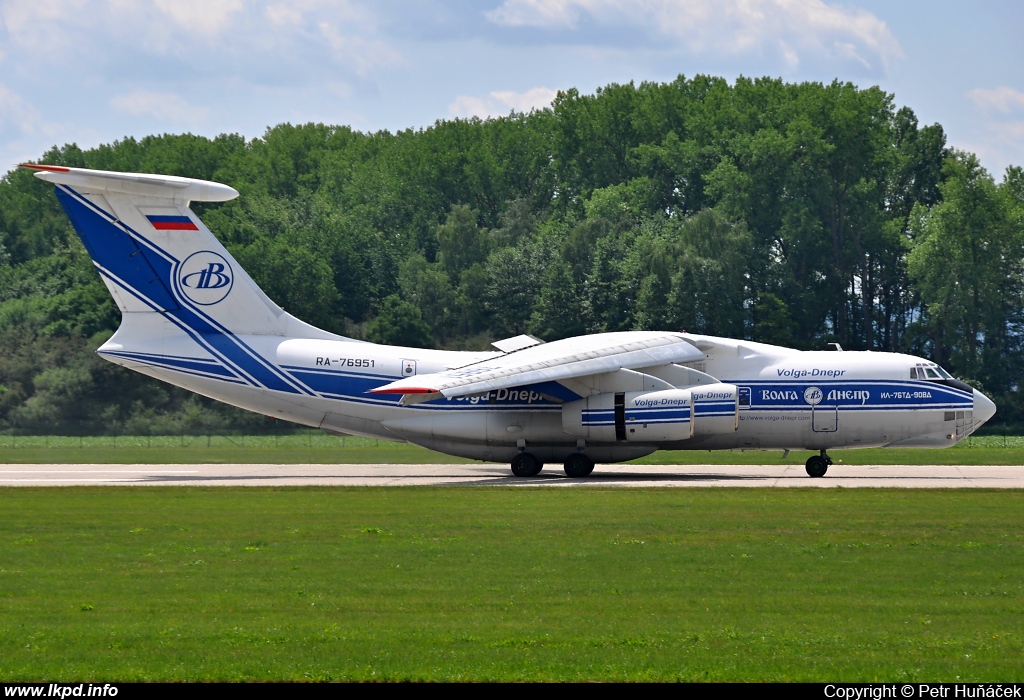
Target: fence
[(298, 439)]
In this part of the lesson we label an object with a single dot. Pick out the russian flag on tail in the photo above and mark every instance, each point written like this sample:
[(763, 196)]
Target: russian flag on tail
[(172, 223)]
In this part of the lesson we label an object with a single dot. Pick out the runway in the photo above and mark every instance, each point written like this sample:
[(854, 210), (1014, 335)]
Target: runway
[(628, 475)]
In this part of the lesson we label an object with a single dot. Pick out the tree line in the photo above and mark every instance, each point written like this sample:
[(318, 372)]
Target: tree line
[(796, 214)]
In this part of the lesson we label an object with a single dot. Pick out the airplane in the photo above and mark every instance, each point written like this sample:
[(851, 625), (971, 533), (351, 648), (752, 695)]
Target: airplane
[(192, 317)]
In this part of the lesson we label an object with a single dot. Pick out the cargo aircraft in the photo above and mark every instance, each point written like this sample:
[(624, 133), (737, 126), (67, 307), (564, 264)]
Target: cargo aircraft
[(191, 316)]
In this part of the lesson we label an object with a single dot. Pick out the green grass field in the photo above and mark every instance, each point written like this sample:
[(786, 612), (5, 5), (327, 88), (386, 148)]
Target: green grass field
[(320, 448), (509, 584)]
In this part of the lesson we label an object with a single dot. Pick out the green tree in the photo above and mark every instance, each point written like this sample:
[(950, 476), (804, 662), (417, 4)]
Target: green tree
[(967, 262), (514, 277), (561, 309), (299, 280), (426, 286), (711, 282), (461, 241), (398, 323)]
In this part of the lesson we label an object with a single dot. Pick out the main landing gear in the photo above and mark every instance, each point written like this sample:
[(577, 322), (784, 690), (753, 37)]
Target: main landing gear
[(817, 466), (525, 464), (577, 465)]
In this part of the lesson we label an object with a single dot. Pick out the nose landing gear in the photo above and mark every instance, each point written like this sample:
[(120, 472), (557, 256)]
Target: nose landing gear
[(816, 466)]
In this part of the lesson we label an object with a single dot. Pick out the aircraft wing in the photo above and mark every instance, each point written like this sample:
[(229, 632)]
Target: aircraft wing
[(561, 359)]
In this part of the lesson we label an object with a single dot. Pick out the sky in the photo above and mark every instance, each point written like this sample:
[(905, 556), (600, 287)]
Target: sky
[(94, 71)]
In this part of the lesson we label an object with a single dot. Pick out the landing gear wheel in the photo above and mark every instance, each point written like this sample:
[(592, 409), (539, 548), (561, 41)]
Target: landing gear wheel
[(525, 464), (816, 466), (578, 465)]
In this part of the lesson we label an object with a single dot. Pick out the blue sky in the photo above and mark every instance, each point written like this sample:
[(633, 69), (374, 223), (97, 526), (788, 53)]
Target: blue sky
[(92, 71)]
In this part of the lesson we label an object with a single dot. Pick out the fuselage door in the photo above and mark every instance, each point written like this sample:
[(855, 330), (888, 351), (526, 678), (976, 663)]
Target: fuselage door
[(620, 416), (824, 419)]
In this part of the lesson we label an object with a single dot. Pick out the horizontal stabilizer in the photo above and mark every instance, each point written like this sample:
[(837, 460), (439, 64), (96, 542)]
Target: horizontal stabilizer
[(179, 189), (561, 359)]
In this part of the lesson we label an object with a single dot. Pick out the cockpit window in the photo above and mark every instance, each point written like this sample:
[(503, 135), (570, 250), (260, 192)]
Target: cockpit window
[(930, 371)]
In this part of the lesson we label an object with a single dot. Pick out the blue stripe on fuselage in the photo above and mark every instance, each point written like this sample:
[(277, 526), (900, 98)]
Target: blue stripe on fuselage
[(854, 395), (171, 362)]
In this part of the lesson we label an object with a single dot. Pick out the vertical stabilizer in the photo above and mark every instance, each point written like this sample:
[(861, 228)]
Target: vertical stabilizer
[(156, 256)]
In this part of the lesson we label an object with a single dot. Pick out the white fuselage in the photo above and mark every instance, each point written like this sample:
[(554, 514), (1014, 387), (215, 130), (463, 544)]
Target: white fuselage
[(787, 399)]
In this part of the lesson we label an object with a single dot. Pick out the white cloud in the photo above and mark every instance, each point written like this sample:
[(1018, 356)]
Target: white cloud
[(39, 25), (536, 98), (996, 151), (501, 102), (246, 36), (295, 11), (466, 106), (789, 55), (548, 14), (164, 106), (209, 17), (997, 129), (359, 54), (338, 88), (16, 113), (20, 16), (282, 15), (1010, 132), (1004, 100), (24, 130), (725, 26)]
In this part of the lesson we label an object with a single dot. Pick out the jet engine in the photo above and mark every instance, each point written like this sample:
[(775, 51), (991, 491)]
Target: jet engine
[(669, 415)]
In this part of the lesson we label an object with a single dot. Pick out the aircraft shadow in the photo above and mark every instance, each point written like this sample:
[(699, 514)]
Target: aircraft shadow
[(470, 479)]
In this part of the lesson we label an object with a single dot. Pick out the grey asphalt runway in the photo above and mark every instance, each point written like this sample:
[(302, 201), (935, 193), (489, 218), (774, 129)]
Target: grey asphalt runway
[(847, 476)]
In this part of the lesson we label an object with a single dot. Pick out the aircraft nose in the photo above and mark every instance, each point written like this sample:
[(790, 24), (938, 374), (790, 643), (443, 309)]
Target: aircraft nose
[(983, 408)]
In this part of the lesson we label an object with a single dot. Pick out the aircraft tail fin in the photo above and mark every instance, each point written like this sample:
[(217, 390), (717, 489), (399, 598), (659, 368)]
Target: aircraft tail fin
[(156, 256)]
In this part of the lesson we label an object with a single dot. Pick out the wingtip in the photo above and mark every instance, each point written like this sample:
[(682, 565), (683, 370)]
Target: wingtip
[(49, 168), (403, 390)]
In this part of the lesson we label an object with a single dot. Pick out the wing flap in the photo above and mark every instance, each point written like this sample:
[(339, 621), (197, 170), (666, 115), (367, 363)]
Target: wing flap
[(561, 359)]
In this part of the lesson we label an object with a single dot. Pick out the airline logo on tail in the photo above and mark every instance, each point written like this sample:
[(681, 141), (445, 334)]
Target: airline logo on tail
[(205, 278)]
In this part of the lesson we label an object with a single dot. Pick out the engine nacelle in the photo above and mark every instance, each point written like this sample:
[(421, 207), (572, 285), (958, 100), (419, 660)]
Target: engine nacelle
[(638, 416), (716, 409), (670, 415)]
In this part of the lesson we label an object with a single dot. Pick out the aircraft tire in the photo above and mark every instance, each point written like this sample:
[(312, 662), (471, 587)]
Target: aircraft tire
[(525, 464), (816, 466), (578, 465)]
